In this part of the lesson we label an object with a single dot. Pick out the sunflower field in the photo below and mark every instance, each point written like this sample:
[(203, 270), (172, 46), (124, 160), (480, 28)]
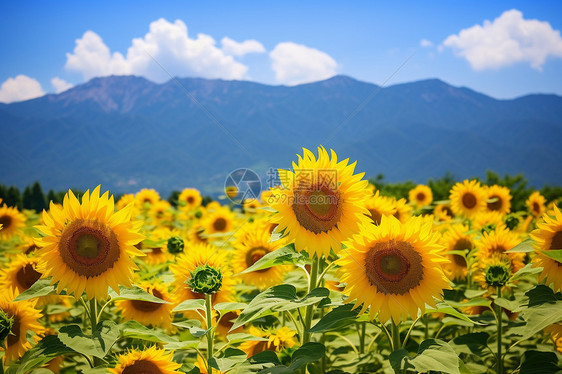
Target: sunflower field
[(324, 273)]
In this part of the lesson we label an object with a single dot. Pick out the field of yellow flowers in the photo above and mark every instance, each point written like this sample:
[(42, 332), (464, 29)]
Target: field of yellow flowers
[(321, 274)]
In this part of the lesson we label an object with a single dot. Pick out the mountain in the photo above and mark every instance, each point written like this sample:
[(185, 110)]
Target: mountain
[(127, 133)]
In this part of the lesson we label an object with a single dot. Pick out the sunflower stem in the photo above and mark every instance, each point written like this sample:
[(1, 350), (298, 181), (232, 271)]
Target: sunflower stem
[(310, 308), (94, 323), (209, 315), (395, 336), (499, 363)]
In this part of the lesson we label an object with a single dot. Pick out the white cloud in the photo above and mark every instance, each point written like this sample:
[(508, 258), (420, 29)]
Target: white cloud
[(426, 43), (60, 85), (507, 40), (295, 64), (167, 44), (234, 48), (20, 88)]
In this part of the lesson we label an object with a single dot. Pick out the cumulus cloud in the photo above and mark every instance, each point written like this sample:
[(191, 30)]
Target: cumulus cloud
[(296, 63), (166, 44), (60, 85), (426, 43), (507, 40), (20, 88), (234, 48)]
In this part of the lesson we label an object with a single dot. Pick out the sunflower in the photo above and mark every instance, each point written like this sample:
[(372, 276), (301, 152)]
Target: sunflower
[(20, 274), (161, 211), (322, 203), (87, 246), (443, 212), (146, 196), (11, 220), (467, 198), (252, 243), (493, 271), (197, 234), (394, 268), (146, 312), (149, 361), (28, 246), (191, 197), (555, 332), (125, 200), (156, 253), (457, 238), (488, 220), (25, 317), (379, 206), (197, 255), (548, 236), (499, 241), (276, 340), (403, 210), (499, 199), (535, 203), (251, 206), (220, 220), (421, 195)]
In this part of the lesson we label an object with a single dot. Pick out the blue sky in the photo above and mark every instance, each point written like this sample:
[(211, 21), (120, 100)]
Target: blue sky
[(518, 52)]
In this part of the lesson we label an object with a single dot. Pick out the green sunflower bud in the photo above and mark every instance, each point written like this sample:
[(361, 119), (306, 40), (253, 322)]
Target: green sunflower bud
[(488, 228), (497, 275), (205, 279), (6, 323), (175, 245), (511, 221), (198, 214)]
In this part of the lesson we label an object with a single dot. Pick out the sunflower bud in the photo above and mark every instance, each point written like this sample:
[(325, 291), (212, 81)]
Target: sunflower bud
[(198, 214), (205, 279), (6, 323), (511, 221), (497, 275), (175, 245)]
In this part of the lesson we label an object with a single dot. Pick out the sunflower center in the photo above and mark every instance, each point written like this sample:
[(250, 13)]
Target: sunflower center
[(536, 208), (14, 336), (263, 346), (190, 199), (5, 221), (420, 196), (317, 209), (254, 255), (459, 260), (156, 251), (448, 211), (497, 204), (219, 224), (27, 275), (498, 249), (462, 244), (556, 242), (394, 267), (142, 367), (89, 248), (148, 306), (376, 216), (30, 249), (469, 200)]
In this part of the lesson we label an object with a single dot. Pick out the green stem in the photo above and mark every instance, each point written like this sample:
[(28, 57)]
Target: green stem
[(396, 344), (361, 327), (499, 362), (310, 308), (94, 323), (411, 328), (209, 315)]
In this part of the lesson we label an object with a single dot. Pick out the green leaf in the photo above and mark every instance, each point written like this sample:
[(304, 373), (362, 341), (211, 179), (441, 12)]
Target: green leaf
[(135, 293), (307, 353), (242, 337), (336, 319), (510, 305), (478, 301), (433, 355), (191, 304), (526, 270), (536, 362), (232, 356), (278, 298), (98, 344), (229, 307), (133, 329), (194, 327), (475, 343), (40, 288), (470, 294), (537, 318), (443, 307), (542, 294), (282, 256), (555, 254), (44, 351), (523, 247)]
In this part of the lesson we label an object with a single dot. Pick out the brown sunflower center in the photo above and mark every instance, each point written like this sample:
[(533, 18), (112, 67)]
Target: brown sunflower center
[(254, 255), (263, 346), (156, 251), (556, 242), (27, 275), (31, 249), (376, 216), (148, 306), (190, 199), (89, 248), (394, 267), (5, 221), (14, 336), (469, 200), (219, 224), (498, 249), (459, 260), (142, 367), (420, 196), (447, 210), (497, 204), (317, 209), (462, 244), (536, 208)]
